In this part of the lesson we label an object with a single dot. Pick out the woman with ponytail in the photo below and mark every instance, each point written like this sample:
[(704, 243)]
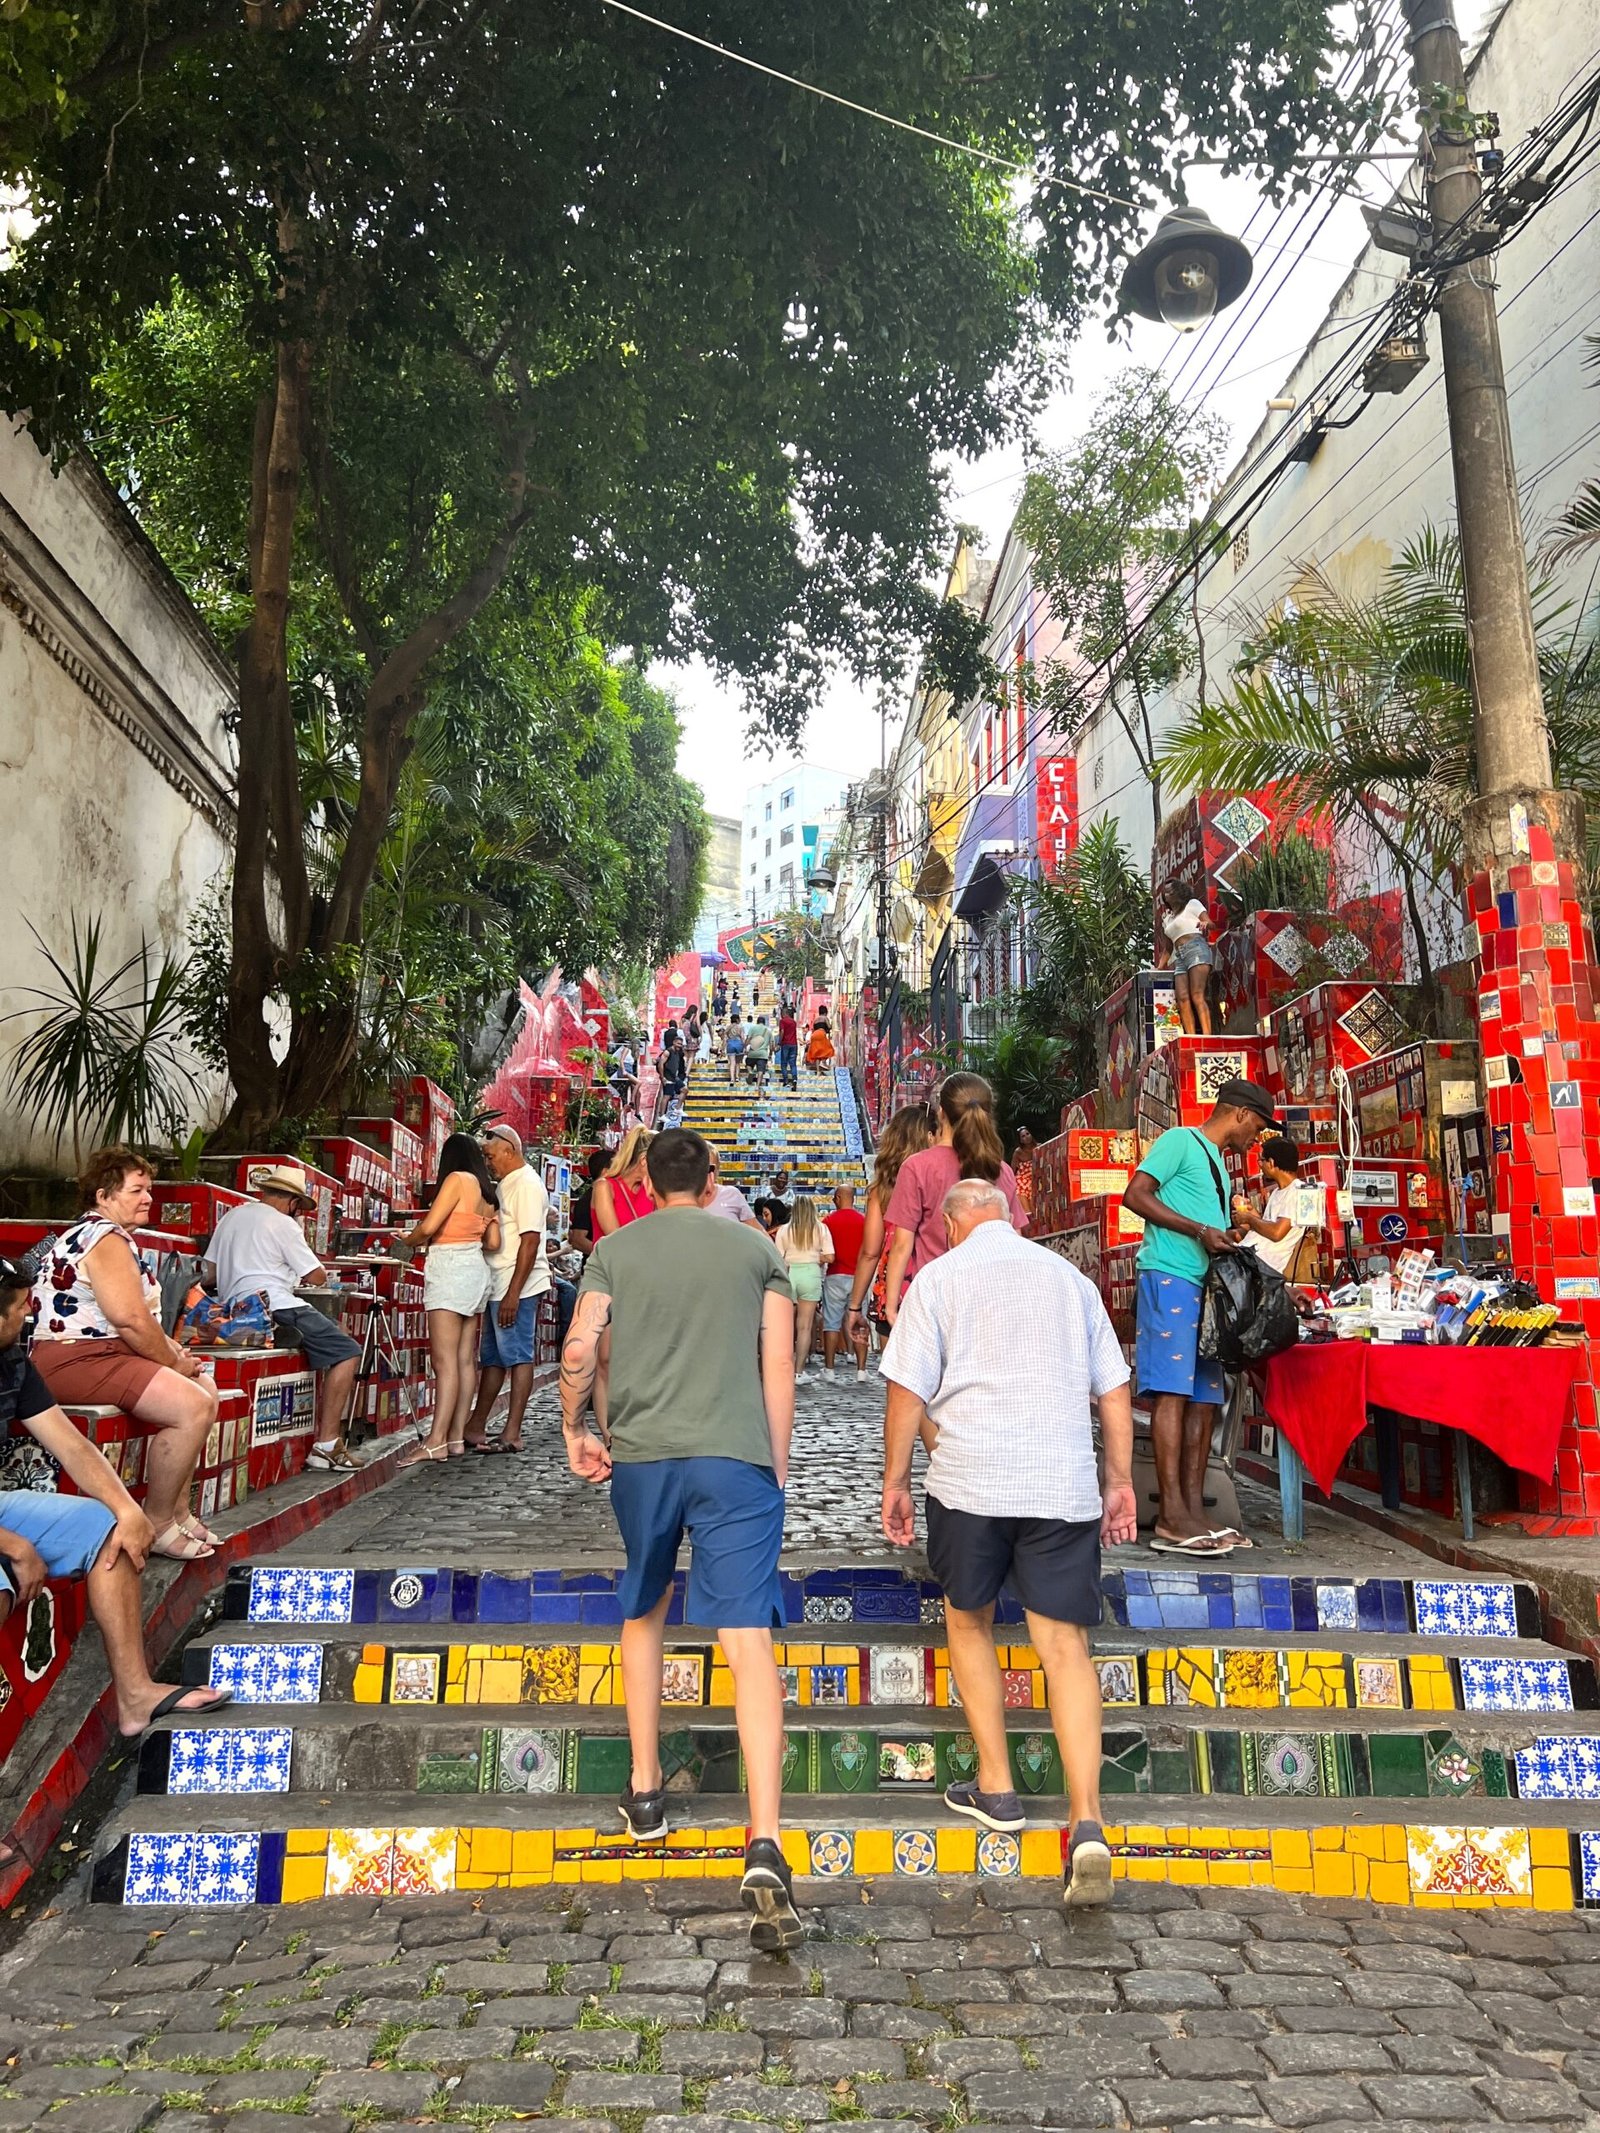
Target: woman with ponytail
[(967, 1146)]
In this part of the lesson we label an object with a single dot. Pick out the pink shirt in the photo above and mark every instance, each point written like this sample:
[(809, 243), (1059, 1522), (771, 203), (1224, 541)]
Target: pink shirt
[(917, 1203)]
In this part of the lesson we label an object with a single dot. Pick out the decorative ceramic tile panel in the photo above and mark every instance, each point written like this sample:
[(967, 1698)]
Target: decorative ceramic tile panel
[(1380, 1685), (1336, 1606), (1589, 1864), (528, 1760), (268, 1673), (1459, 1607), (1559, 1766), (915, 1853), (897, 1674), (1515, 1685), (301, 1596), (192, 1868), (999, 1856), (1469, 1862)]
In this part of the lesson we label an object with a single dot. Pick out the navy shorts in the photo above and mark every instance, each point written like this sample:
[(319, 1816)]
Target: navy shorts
[(733, 1515), (1051, 1564), (1167, 1357), (504, 1347)]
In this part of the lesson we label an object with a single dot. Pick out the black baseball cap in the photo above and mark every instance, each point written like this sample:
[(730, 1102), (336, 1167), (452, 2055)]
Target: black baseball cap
[(1248, 1096)]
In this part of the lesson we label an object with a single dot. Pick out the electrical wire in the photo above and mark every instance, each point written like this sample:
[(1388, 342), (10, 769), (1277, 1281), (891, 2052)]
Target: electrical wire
[(883, 118)]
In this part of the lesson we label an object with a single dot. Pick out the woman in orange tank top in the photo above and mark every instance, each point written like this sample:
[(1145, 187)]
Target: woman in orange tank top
[(462, 1223)]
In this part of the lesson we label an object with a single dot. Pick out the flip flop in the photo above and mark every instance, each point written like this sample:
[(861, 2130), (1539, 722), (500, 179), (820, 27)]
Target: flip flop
[(504, 1449), (1233, 1536), (421, 1456), (1198, 1544), (173, 1702)]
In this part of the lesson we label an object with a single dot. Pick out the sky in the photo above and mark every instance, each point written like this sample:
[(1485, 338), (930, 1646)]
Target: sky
[(1234, 366)]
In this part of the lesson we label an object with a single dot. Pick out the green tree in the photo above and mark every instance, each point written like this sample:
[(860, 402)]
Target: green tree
[(1361, 708), (1032, 1076), (1090, 929), (1102, 520), (538, 299)]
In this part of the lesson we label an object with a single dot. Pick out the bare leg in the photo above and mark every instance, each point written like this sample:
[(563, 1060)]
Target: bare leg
[(1074, 1689), (830, 1349), (1198, 1420), (516, 1405), (758, 1711), (1169, 1431), (859, 1343), (444, 1350), (804, 1318), (183, 1410), (1185, 1006), (334, 1400), (114, 1602), (642, 1641), (490, 1380), (466, 1375), (976, 1666)]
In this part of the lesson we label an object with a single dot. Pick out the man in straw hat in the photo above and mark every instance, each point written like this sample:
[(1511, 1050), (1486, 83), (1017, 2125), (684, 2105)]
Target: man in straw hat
[(261, 1248)]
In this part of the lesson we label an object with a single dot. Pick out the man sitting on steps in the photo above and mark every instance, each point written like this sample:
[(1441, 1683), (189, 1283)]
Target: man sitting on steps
[(100, 1535), (701, 1411)]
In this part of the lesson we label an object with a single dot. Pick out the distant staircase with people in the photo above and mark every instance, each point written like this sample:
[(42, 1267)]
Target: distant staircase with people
[(814, 1130)]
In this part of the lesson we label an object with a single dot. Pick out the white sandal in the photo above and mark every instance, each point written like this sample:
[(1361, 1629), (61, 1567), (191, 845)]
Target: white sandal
[(182, 1547)]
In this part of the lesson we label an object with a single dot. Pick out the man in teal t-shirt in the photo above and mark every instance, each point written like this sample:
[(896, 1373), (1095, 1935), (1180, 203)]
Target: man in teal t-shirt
[(1182, 1193)]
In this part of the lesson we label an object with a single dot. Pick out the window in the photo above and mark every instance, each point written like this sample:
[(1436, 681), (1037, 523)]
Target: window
[(769, 885), (786, 877), (988, 749), (769, 810), (768, 853), (788, 835), (787, 800), (1005, 742), (752, 866)]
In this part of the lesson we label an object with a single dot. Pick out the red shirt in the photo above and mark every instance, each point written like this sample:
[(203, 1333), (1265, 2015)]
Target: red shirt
[(788, 1033), (917, 1203), (845, 1226)]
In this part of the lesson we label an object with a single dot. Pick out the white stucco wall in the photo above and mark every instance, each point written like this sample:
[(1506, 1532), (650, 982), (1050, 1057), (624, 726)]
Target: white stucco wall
[(1371, 487), (116, 767)]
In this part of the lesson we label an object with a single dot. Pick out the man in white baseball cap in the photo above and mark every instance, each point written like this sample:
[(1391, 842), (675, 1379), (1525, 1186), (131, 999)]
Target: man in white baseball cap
[(261, 1248)]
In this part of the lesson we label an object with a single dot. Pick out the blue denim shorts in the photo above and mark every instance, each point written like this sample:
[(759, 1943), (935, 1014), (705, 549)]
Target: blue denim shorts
[(68, 1531), (1193, 954), (733, 1515), (504, 1347), (1166, 1358)]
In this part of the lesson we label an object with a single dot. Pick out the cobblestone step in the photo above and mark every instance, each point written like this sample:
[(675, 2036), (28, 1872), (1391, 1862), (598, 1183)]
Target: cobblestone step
[(1502, 1854)]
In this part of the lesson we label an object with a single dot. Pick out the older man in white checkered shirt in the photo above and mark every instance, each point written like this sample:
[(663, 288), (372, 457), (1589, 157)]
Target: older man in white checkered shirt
[(997, 1353)]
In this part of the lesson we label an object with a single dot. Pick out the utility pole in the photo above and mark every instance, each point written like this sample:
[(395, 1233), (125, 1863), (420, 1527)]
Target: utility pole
[(1513, 748), (1538, 980)]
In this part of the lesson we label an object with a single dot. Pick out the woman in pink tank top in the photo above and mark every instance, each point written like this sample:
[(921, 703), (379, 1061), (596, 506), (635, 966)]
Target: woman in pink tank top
[(623, 1195)]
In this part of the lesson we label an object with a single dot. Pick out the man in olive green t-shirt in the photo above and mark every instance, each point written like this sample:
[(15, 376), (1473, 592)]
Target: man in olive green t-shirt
[(701, 1408)]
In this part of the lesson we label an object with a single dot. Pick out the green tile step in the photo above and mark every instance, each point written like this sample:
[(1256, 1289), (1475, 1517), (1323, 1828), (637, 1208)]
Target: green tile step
[(895, 1756)]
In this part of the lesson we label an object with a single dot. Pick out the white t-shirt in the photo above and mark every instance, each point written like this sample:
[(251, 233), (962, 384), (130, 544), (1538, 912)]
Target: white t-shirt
[(1006, 1344), (260, 1247), (524, 1204), (1279, 1208), (729, 1201), (1189, 924)]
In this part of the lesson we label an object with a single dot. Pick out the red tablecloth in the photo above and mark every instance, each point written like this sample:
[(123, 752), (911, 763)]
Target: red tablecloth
[(1514, 1400)]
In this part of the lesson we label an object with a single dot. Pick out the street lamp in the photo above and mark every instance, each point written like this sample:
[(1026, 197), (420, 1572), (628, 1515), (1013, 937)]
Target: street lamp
[(1187, 272)]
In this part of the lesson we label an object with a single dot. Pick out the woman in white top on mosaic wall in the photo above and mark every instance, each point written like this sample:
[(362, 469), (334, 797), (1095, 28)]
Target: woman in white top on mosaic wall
[(1185, 925), (97, 1342)]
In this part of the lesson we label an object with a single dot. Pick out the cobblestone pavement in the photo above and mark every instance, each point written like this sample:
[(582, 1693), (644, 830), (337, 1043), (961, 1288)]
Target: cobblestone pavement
[(534, 1504), (638, 2009)]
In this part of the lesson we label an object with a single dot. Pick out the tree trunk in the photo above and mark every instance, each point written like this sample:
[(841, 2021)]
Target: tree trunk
[(270, 826)]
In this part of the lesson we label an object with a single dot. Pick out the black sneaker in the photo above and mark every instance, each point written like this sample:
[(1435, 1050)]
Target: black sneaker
[(1088, 1876), (644, 1814), (767, 1893), (995, 1810)]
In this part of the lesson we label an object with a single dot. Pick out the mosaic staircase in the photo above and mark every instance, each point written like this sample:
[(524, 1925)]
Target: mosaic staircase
[(408, 1731), (813, 1129)]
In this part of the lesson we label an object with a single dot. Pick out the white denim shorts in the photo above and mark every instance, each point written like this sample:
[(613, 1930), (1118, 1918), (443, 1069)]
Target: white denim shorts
[(455, 1277)]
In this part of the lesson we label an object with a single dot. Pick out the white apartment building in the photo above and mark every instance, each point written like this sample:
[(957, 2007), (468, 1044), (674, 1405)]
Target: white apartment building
[(788, 824)]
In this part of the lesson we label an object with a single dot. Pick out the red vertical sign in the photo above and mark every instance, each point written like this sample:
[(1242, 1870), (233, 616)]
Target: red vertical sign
[(1056, 786)]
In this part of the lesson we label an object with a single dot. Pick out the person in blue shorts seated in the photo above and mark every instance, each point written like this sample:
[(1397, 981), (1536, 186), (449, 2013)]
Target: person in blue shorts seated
[(701, 1410), (1183, 1194), (101, 1535)]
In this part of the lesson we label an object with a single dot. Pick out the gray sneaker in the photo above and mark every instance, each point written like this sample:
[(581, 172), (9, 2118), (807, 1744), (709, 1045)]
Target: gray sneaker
[(1088, 1876), (994, 1810)]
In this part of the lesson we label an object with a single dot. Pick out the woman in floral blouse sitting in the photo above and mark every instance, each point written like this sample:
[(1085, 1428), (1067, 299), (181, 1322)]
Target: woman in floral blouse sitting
[(97, 1342)]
